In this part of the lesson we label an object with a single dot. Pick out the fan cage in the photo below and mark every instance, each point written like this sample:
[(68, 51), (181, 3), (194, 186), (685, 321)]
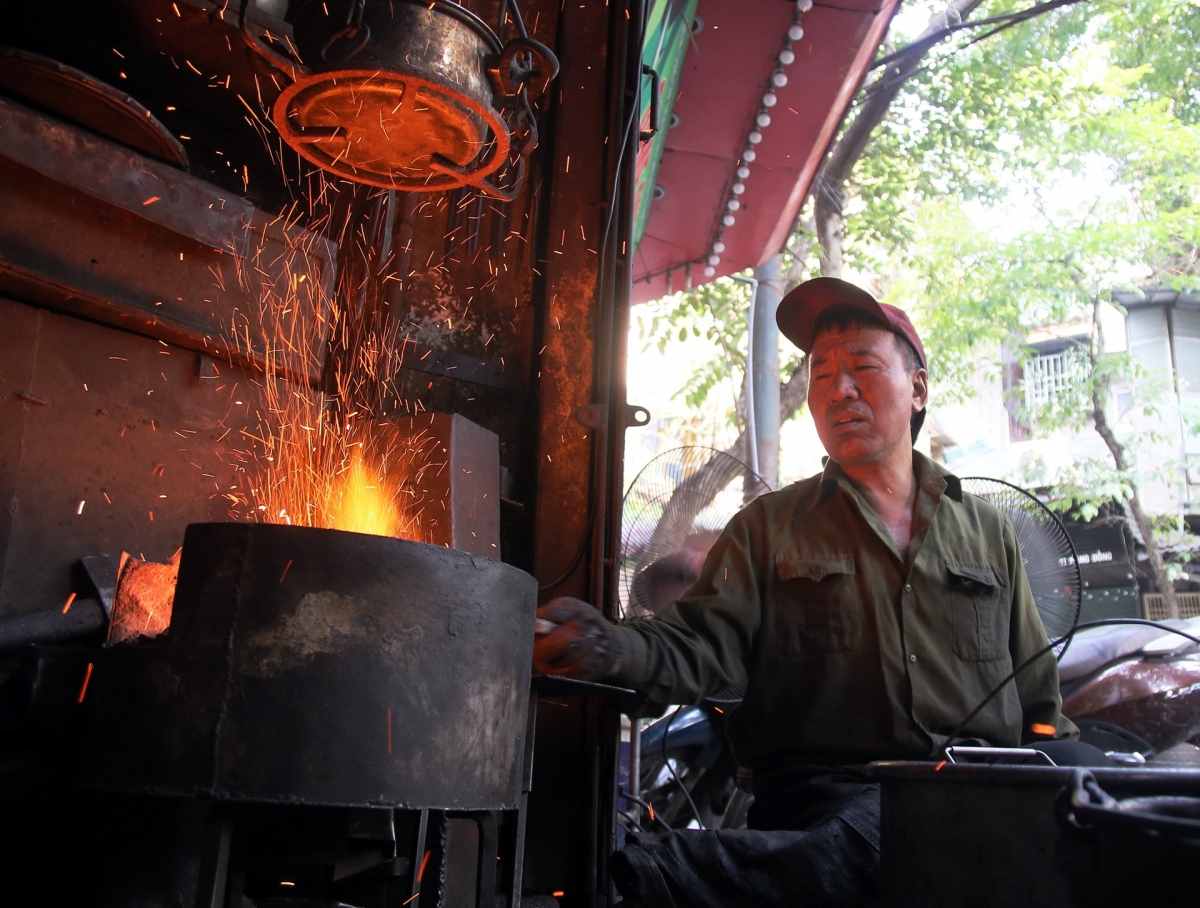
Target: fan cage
[(672, 512), (1047, 552)]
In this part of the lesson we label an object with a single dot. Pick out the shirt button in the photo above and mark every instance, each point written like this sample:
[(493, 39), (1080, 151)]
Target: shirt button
[(908, 587), (912, 657)]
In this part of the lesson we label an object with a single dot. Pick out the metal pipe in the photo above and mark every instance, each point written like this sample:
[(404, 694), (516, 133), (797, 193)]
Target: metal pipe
[(52, 625), (764, 339), (635, 759), (751, 427)]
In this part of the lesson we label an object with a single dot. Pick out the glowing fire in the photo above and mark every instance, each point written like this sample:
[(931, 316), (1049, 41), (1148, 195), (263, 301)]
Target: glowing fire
[(325, 458), (358, 503)]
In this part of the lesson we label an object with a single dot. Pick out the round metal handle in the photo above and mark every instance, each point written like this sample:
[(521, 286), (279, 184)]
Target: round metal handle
[(1089, 804), (356, 34)]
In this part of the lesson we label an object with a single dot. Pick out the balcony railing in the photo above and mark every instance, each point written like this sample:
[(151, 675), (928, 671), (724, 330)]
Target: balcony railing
[(1153, 608)]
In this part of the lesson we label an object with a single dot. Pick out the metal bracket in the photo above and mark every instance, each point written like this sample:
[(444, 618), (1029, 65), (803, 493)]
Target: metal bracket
[(633, 415), (645, 135), (594, 416), (292, 69)]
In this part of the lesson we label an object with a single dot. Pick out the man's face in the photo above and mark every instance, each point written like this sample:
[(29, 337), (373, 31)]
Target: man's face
[(861, 394)]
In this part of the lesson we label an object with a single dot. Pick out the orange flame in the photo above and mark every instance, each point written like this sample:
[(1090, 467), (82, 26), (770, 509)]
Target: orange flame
[(359, 503)]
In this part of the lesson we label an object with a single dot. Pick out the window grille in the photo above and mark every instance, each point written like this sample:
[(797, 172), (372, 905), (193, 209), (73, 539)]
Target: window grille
[(1050, 377)]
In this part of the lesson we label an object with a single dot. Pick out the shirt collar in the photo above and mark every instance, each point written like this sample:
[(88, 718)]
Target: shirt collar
[(931, 476), (930, 470)]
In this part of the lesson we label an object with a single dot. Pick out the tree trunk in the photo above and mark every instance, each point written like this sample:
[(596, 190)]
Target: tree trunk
[(829, 204), (1133, 501), (792, 395)]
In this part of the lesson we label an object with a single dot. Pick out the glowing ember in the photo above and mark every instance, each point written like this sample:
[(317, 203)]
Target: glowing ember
[(145, 597)]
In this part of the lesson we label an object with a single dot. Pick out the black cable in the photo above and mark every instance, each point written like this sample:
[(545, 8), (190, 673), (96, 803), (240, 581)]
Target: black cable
[(687, 794), (631, 820), (1101, 622), (655, 818), (630, 796), (582, 550), (1008, 20), (1005, 20)]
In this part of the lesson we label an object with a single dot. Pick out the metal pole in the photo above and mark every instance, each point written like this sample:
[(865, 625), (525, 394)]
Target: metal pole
[(764, 378), (751, 428)]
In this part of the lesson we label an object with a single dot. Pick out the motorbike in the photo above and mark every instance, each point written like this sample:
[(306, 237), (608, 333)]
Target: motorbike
[(1134, 691)]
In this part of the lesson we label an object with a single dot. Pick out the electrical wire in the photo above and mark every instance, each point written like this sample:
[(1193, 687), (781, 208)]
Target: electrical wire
[(1003, 21), (654, 818), (632, 820), (687, 794), (1101, 622)]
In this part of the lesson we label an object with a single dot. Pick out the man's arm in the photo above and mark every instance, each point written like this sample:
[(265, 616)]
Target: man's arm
[(1037, 685), (695, 647), (700, 644)]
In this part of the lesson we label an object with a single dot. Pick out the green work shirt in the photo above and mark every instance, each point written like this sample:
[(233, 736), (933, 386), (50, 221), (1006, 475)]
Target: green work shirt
[(854, 651)]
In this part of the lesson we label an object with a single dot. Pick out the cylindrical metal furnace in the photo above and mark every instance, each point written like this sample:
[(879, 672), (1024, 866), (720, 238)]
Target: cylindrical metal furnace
[(323, 667)]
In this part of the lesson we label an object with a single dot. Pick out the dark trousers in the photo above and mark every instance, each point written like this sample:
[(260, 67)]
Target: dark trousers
[(813, 843)]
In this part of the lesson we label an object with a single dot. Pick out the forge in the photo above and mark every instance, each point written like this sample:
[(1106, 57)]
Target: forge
[(291, 360), (311, 389), (323, 667)]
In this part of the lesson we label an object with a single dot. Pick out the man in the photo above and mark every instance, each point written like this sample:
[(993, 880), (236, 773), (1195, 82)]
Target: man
[(870, 608)]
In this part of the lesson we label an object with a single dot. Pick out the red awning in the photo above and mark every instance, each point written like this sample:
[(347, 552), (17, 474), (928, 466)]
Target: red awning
[(725, 75)]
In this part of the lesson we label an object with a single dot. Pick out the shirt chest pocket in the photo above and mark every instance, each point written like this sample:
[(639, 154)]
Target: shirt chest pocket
[(979, 608), (818, 609)]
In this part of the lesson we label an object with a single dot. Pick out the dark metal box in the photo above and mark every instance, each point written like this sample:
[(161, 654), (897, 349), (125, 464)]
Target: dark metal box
[(996, 837)]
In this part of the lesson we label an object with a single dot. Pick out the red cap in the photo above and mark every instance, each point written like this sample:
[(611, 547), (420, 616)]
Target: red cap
[(799, 310)]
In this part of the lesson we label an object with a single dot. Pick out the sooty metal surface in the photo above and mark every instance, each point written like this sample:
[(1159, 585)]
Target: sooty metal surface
[(997, 836), (323, 667)]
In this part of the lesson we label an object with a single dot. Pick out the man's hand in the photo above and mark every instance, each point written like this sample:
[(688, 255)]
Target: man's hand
[(574, 640)]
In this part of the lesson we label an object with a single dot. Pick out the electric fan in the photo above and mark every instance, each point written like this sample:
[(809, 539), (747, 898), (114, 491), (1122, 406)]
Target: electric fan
[(673, 512), (1046, 551)]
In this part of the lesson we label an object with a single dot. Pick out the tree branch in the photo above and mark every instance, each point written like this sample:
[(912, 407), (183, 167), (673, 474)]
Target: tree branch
[(929, 39), (829, 187)]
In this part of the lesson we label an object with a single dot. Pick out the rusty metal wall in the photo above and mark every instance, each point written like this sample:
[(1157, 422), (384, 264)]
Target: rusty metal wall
[(100, 231), (571, 822), (109, 441), (122, 276)]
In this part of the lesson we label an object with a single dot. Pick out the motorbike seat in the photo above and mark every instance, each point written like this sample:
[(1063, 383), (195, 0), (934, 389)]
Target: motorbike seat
[(1096, 647)]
